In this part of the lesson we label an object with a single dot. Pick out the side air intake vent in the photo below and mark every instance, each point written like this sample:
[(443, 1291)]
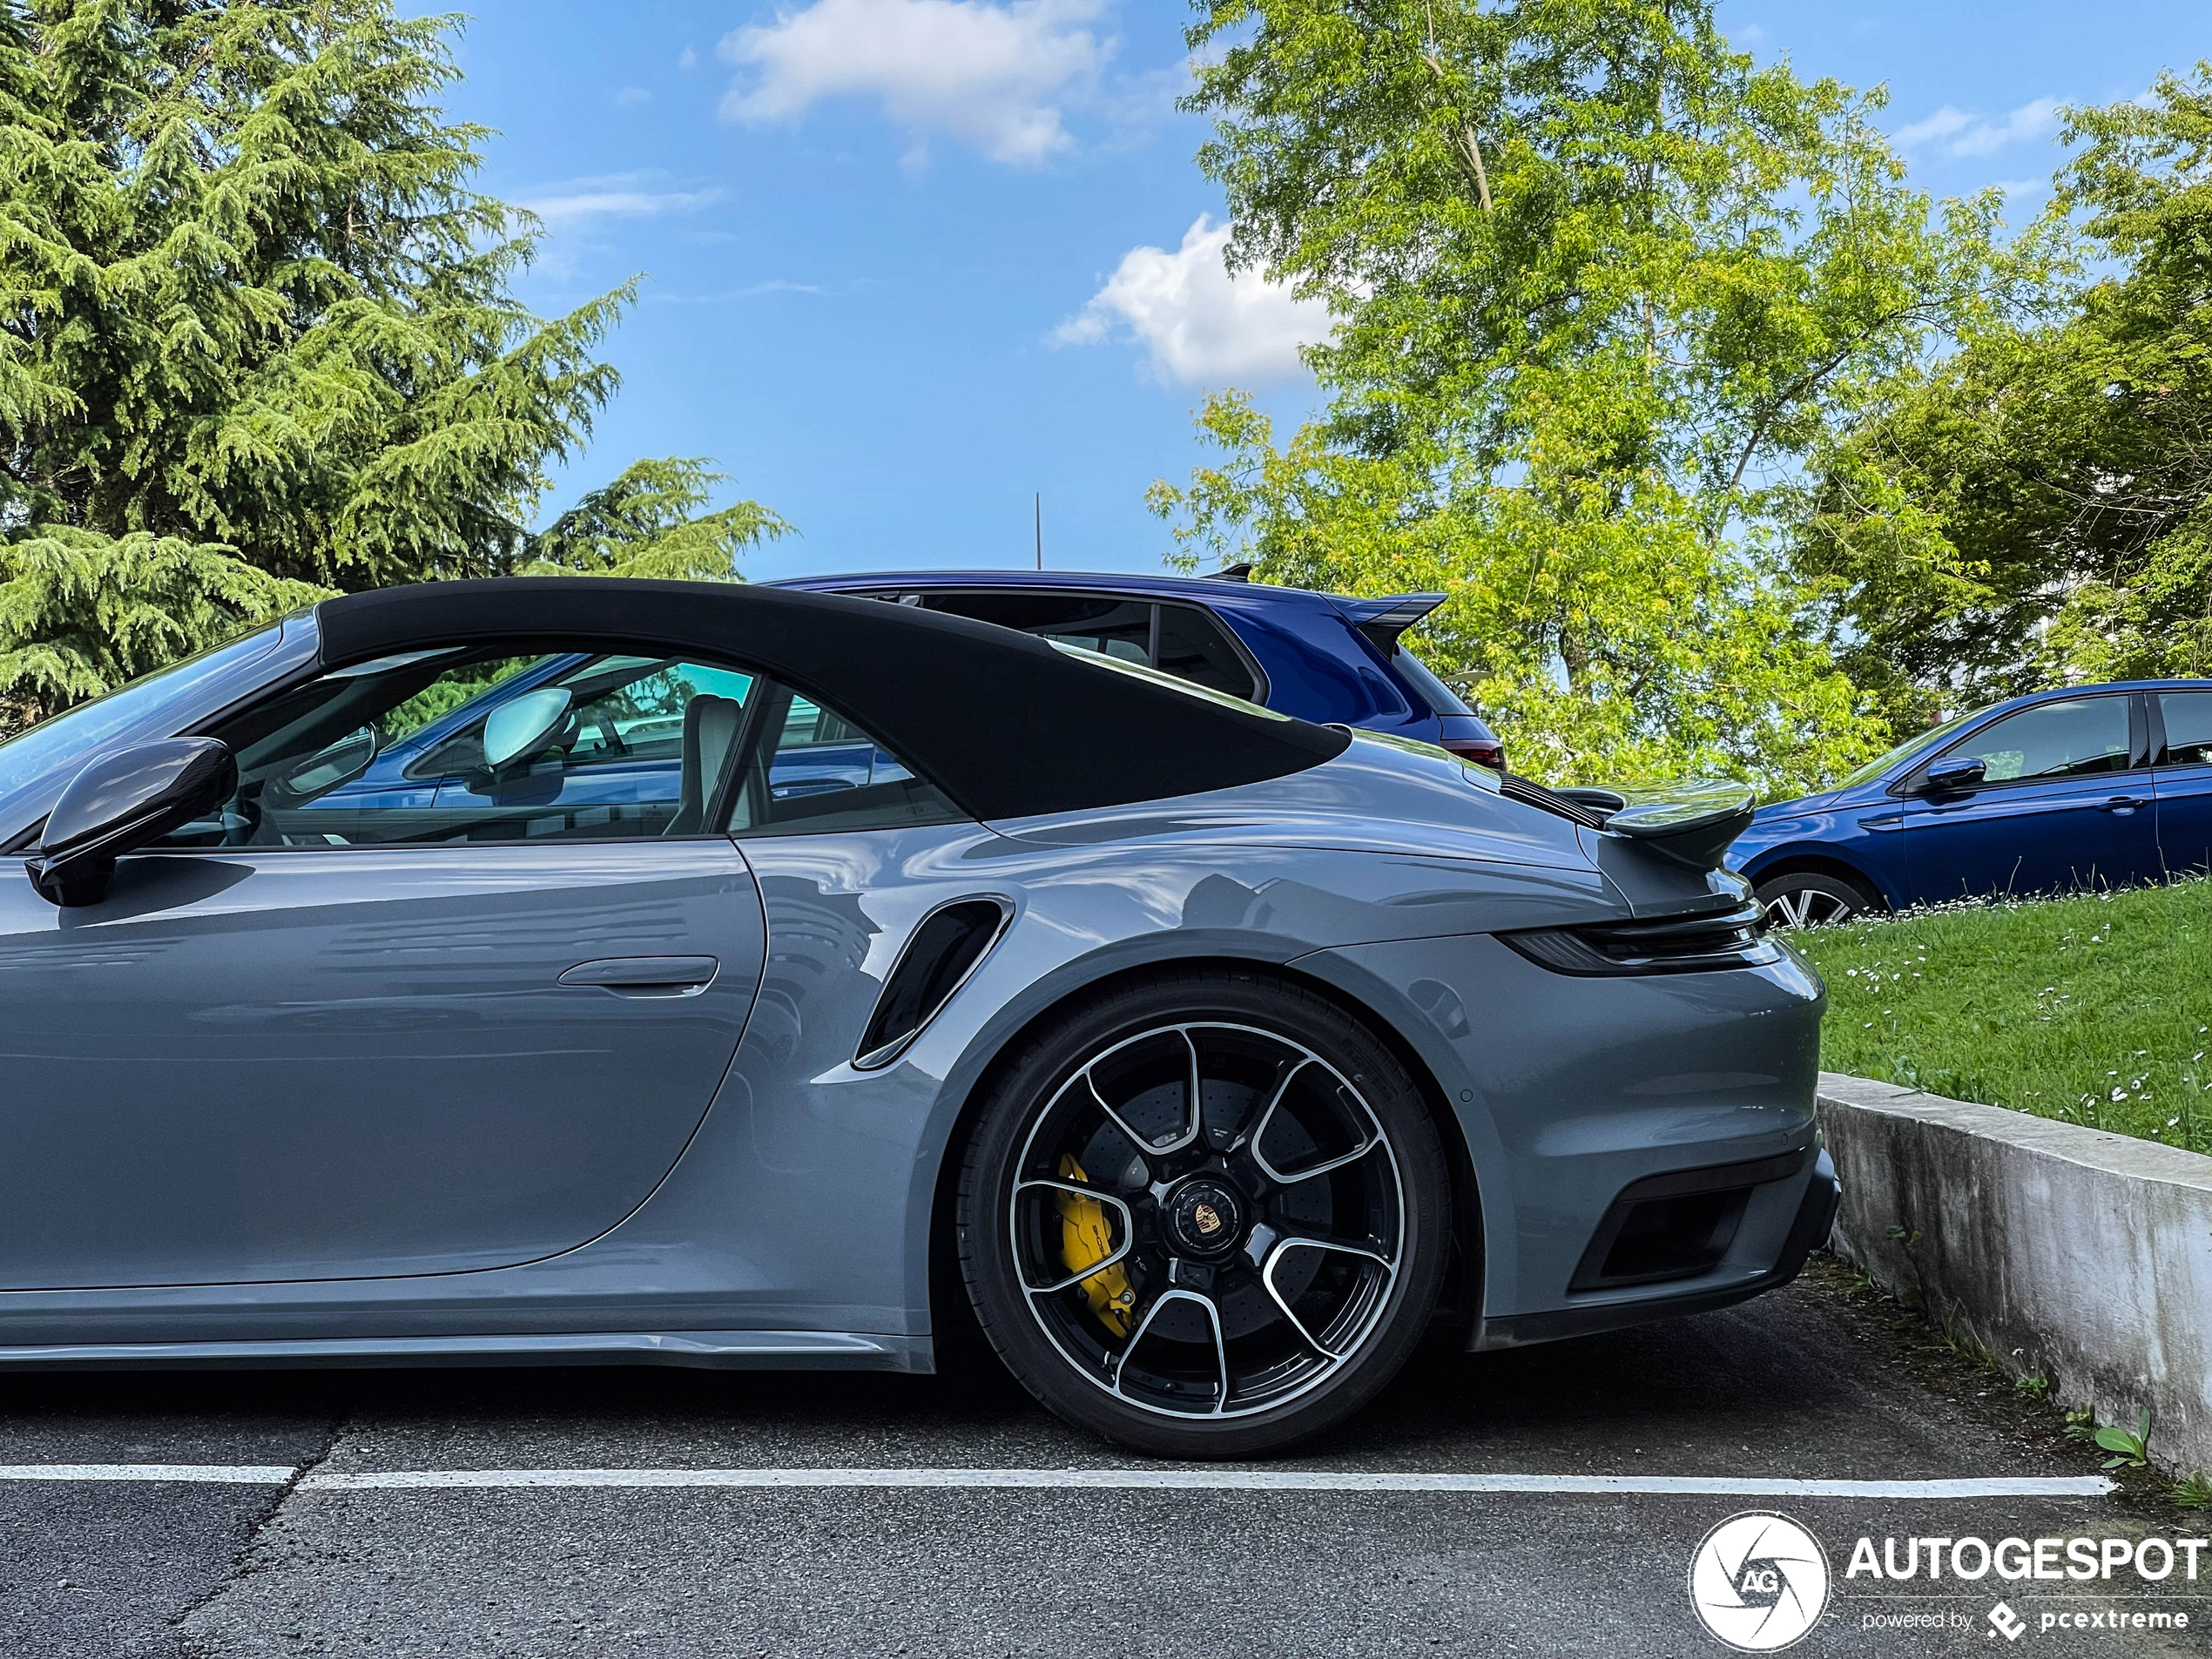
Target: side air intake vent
[(943, 951)]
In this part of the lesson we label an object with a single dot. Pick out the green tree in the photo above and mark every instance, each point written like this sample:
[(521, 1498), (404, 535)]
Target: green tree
[(258, 339), (1601, 287), (2039, 506)]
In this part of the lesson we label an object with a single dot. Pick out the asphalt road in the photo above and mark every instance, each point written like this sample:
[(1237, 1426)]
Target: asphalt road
[(1811, 1382)]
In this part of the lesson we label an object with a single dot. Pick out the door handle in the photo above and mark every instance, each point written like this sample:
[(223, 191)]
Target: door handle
[(2124, 804), (645, 975)]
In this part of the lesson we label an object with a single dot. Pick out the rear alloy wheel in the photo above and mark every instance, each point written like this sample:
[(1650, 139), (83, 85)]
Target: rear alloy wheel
[(1205, 1217), (1808, 899)]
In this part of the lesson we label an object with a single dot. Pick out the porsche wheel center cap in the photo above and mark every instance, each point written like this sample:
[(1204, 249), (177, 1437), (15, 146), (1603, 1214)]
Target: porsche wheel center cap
[(1205, 1217)]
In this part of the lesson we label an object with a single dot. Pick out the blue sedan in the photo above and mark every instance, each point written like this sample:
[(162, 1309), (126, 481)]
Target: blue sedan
[(2093, 787)]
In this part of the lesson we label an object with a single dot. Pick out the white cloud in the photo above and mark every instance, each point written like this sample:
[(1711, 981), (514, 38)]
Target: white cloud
[(1199, 323), (687, 60), (622, 195), (1942, 125), (631, 96), (994, 76), (1961, 134)]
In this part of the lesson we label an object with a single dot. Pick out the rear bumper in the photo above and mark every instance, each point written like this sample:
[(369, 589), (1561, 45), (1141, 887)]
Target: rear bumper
[(1816, 1215)]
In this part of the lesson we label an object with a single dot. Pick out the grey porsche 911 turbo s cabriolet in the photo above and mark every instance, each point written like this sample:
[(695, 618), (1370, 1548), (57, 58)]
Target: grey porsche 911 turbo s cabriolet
[(560, 970)]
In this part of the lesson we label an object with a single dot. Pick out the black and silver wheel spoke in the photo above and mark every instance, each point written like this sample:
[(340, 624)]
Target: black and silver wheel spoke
[(1387, 1271), (1158, 1146), (1806, 907), (1094, 1269), (1181, 1298), (1206, 1219), (1365, 1134)]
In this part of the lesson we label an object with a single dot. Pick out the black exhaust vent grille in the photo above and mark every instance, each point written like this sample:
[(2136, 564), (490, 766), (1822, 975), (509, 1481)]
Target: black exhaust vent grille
[(937, 961), (1531, 793)]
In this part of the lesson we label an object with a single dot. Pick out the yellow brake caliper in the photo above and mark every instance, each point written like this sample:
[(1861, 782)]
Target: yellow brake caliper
[(1086, 1236)]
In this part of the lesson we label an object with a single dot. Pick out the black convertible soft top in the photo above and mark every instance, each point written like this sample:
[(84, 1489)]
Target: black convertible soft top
[(1002, 722)]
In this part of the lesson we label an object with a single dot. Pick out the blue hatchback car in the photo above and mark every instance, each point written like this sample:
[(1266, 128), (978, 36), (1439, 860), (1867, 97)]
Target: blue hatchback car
[(2091, 786), (1318, 657)]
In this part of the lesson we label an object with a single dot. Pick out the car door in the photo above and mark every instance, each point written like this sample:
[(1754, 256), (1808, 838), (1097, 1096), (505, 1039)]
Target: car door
[(298, 1041), (2064, 803), (2182, 778)]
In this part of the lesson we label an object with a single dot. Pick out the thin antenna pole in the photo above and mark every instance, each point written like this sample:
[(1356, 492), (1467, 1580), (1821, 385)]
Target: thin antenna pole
[(1040, 530)]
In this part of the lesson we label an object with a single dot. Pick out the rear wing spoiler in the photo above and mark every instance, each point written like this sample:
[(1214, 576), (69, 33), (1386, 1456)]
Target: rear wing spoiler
[(1383, 620), (1694, 823)]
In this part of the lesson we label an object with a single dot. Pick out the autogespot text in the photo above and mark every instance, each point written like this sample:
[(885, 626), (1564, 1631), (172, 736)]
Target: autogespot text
[(2080, 1559)]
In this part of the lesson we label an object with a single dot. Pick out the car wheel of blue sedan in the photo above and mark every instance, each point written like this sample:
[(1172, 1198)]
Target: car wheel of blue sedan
[(1807, 899), (1205, 1217)]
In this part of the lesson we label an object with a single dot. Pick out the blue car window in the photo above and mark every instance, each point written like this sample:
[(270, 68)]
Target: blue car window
[(2188, 727), (481, 746), (1440, 697), (1181, 640), (2075, 737), (1193, 647), (1096, 622)]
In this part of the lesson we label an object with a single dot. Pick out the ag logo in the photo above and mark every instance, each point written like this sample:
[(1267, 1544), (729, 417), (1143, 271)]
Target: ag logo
[(1758, 1582), (1208, 1217)]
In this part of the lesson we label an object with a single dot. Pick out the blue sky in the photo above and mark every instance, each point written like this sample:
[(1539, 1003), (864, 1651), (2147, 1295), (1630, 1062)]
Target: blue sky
[(910, 261)]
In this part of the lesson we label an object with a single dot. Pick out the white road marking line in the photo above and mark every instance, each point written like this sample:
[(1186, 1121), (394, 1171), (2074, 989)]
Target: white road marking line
[(1140, 1480), (247, 1475), (1210, 1480)]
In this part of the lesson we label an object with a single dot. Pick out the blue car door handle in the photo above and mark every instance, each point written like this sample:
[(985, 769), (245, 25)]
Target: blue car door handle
[(2125, 804), (645, 975)]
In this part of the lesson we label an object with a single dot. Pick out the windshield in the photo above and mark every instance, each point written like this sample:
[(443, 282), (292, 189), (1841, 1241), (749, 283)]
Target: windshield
[(74, 733), (1908, 748)]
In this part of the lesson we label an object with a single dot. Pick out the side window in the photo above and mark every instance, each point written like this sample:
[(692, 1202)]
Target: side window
[(1189, 643), (2188, 727), (1102, 623), (503, 745), (1193, 647), (2079, 737), (822, 774), (1440, 697)]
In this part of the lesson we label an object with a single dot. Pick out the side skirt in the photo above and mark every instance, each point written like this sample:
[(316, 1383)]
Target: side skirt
[(733, 1350)]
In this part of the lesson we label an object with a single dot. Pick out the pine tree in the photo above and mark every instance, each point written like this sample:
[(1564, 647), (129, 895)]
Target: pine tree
[(258, 340)]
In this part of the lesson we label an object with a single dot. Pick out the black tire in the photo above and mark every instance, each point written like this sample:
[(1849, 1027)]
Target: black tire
[(1217, 1356), (1808, 899)]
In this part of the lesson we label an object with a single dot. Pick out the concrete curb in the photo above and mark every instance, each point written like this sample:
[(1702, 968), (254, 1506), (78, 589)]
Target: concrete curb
[(2080, 1255)]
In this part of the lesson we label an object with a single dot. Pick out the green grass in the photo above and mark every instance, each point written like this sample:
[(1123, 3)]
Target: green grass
[(2096, 1009)]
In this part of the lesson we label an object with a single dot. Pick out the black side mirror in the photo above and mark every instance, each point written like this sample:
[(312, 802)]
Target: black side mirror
[(1953, 774), (122, 800)]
